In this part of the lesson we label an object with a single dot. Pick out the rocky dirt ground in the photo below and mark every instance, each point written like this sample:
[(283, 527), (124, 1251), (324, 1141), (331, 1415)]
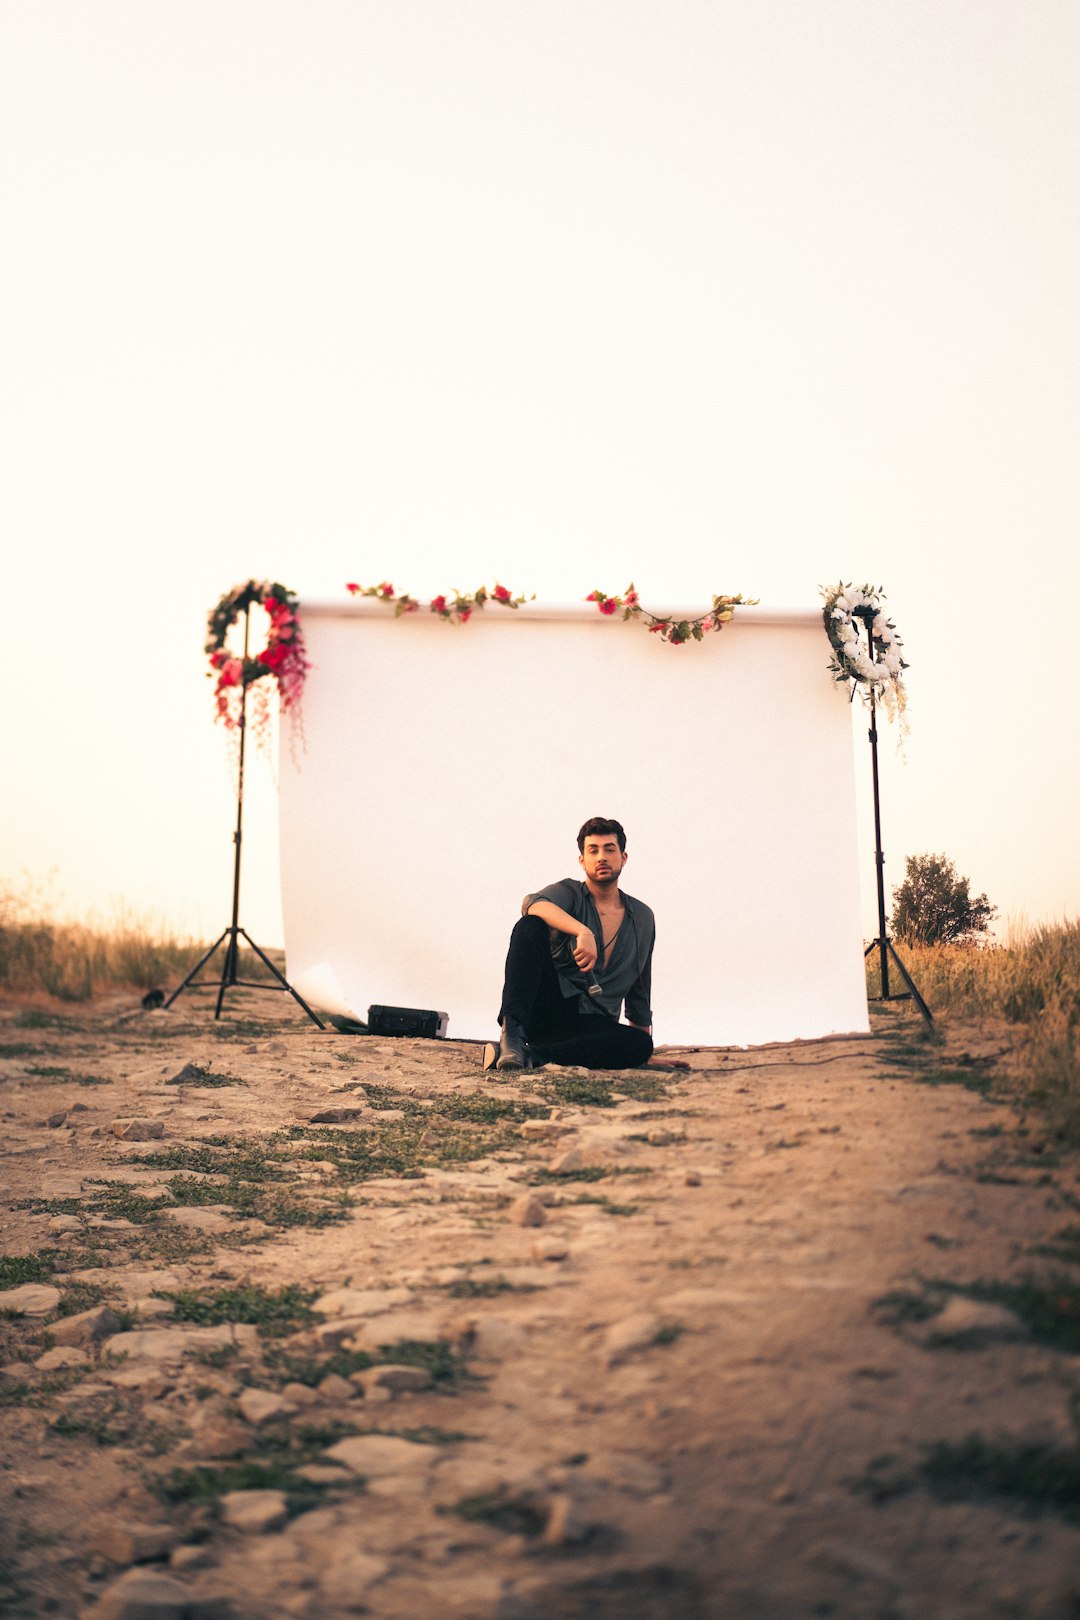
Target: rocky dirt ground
[(310, 1324)]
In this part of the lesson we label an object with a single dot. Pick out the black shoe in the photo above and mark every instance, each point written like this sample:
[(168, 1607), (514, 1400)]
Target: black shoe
[(513, 1047)]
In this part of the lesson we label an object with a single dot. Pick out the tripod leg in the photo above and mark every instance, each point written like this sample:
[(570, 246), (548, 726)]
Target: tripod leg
[(928, 1017), (200, 963), (282, 980), (228, 971)]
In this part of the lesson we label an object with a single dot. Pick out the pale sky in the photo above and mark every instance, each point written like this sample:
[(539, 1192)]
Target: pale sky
[(751, 295)]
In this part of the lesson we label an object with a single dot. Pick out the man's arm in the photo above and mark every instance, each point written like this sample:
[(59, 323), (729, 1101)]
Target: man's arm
[(563, 923)]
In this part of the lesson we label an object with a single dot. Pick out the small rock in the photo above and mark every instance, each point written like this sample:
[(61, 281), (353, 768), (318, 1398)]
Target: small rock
[(338, 1115), (259, 1406), (301, 1394), (30, 1299), (567, 1523), (149, 1380), (569, 1162), (348, 1579), (550, 1249), (783, 1496), (425, 1327), (57, 1119), (360, 1302), (53, 1360), (138, 1130), (189, 1557), (203, 1217), (973, 1321), (398, 1380), (218, 1438), (375, 1456), (540, 1130), (527, 1211), (323, 1474), (65, 1223), (657, 1136), (254, 1512), (692, 1178), (169, 1344), (88, 1327), (142, 1595), (335, 1388), (16, 1372), (133, 1543), (633, 1333), (152, 1310)]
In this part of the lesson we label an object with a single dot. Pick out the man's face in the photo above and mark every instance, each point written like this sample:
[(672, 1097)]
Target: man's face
[(602, 858)]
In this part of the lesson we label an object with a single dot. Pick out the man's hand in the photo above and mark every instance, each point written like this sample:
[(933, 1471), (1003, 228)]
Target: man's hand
[(585, 949)]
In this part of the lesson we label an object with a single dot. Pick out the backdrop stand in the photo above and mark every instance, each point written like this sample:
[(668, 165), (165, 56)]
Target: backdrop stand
[(883, 944), (234, 933)]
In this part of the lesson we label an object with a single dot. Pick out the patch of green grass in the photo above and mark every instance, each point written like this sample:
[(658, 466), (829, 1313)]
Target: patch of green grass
[(405, 1148), (427, 1434), (1038, 1476), (906, 1305), (60, 1076), (498, 1509), (597, 1089), (918, 1059), (119, 1200), (78, 1297), (606, 1204), (15, 1394), (205, 1484), (1048, 1307), (193, 1074), (220, 1355), (588, 1172), (289, 1368), (274, 1312), (231, 1157), (278, 1451), (21, 1049), (249, 1029), (486, 1287), (16, 1269), (437, 1356), (90, 1426), (33, 1018), (1064, 1245), (668, 1332)]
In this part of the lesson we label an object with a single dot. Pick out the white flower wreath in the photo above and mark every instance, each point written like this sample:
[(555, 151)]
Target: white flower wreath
[(872, 660)]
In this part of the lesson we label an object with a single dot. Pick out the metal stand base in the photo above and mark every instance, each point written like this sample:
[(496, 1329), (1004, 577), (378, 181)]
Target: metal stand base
[(229, 976), (885, 946)]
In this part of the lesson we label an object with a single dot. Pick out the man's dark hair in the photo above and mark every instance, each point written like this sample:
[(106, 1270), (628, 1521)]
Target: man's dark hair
[(601, 824)]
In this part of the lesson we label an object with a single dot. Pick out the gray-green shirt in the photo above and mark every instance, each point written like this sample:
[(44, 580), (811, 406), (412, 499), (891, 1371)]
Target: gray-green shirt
[(628, 975)]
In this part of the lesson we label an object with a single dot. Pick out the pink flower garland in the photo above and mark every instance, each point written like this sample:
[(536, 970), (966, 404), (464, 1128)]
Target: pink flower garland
[(282, 657), (675, 631)]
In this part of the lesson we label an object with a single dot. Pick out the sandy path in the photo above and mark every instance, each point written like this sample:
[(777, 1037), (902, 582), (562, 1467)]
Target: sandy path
[(703, 1386)]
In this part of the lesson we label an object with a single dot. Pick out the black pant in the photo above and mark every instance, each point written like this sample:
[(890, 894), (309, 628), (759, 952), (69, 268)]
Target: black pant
[(554, 1028)]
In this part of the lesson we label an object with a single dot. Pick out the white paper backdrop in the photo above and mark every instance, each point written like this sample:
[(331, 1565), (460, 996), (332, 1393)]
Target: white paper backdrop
[(443, 772)]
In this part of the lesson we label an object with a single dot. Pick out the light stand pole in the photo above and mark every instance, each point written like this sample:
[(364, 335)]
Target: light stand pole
[(234, 933), (883, 944)]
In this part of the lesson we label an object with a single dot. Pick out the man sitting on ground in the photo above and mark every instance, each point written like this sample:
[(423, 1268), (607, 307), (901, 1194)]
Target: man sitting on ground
[(580, 951)]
